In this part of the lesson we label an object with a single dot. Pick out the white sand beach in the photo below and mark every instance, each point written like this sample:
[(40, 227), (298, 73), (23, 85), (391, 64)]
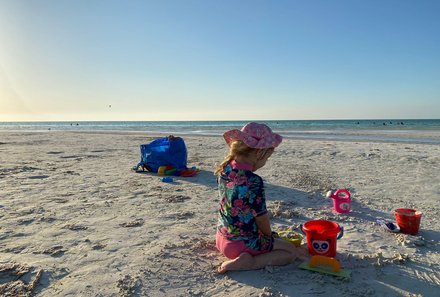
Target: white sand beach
[(76, 220)]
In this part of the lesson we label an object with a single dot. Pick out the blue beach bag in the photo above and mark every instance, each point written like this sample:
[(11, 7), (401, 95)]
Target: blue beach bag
[(167, 151)]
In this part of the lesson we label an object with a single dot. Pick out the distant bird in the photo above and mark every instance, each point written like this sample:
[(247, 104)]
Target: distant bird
[(109, 106)]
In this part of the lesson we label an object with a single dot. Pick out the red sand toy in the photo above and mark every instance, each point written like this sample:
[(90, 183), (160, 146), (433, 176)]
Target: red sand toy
[(170, 171), (408, 220), (321, 236)]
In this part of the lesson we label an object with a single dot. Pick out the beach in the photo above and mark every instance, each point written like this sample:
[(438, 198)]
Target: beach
[(76, 220)]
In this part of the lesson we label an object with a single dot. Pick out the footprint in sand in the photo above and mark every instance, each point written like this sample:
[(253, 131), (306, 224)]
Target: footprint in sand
[(74, 227), (127, 285), (55, 251), (77, 158), (38, 177), (134, 223), (25, 221), (177, 198), (180, 215), (15, 250), (47, 219), (98, 246), (71, 172), (19, 279), (27, 169)]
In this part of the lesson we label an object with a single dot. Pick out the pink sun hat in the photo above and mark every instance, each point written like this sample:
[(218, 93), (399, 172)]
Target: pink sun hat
[(254, 135)]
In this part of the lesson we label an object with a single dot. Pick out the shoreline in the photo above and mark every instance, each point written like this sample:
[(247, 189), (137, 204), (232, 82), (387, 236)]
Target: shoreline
[(431, 137)]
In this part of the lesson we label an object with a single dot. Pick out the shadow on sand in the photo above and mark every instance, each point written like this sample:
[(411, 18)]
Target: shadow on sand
[(391, 279)]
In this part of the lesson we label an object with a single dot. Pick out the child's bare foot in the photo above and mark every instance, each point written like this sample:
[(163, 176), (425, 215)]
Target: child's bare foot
[(242, 262), (302, 253)]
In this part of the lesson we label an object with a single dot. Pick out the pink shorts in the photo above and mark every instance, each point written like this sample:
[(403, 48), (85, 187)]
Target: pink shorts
[(233, 248)]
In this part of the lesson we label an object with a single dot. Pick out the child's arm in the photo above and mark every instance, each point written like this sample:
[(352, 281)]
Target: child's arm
[(264, 224)]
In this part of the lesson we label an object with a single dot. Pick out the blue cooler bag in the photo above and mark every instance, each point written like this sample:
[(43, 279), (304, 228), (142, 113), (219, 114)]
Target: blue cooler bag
[(163, 152)]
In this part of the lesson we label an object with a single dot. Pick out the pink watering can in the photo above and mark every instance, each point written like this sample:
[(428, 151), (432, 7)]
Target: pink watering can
[(341, 200)]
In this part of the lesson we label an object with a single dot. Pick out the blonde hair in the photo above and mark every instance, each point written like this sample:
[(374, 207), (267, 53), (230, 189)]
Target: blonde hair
[(238, 148)]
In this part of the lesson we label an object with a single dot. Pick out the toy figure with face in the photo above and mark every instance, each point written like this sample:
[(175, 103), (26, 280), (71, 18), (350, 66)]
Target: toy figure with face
[(344, 206), (321, 246)]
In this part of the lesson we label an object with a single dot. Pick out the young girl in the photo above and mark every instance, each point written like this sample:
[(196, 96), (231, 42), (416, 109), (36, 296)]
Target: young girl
[(244, 234)]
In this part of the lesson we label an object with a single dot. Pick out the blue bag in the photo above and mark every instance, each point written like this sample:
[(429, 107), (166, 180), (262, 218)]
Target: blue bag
[(163, 152)]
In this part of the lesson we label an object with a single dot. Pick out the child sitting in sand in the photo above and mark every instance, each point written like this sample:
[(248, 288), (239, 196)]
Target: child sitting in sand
[(244, 234)]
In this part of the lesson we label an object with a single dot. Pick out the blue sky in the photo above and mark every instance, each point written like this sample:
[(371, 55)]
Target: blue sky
[(219, 60)]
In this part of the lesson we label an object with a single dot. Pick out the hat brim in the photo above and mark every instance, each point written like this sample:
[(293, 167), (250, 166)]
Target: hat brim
[(270, 141)]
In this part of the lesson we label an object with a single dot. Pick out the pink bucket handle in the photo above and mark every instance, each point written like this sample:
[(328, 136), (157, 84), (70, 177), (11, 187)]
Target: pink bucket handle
[(345, 194)]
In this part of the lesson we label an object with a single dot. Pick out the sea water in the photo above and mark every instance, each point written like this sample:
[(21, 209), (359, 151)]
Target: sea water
[(396, 130)]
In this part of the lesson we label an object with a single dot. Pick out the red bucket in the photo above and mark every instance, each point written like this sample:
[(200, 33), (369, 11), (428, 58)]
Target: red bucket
[(408, 220), (321, 237)]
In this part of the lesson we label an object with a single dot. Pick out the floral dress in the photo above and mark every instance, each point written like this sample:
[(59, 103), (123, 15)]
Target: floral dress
[(242, 199)]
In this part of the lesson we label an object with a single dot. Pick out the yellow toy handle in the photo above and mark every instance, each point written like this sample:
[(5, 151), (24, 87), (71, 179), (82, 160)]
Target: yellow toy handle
[(325, 261), (161, 170)]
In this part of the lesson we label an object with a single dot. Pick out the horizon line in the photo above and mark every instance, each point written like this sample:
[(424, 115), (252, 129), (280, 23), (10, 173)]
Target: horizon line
[(239, 120)]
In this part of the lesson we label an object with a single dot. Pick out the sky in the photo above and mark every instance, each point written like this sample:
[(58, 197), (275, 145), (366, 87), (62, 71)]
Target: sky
[(219, 60)]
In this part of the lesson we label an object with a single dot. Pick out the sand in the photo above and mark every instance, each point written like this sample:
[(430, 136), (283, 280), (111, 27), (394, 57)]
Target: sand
[(77, 221)]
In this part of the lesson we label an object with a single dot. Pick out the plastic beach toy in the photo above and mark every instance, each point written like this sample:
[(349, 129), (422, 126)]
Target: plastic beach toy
[(169, 170), (390, 226), (327, 265), (161, 170), (291, 236), (341, 200), (322, 236), (167, 179), (408, 220)]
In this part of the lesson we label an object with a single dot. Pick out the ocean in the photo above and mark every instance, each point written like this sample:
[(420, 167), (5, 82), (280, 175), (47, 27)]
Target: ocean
[(401, 130)]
